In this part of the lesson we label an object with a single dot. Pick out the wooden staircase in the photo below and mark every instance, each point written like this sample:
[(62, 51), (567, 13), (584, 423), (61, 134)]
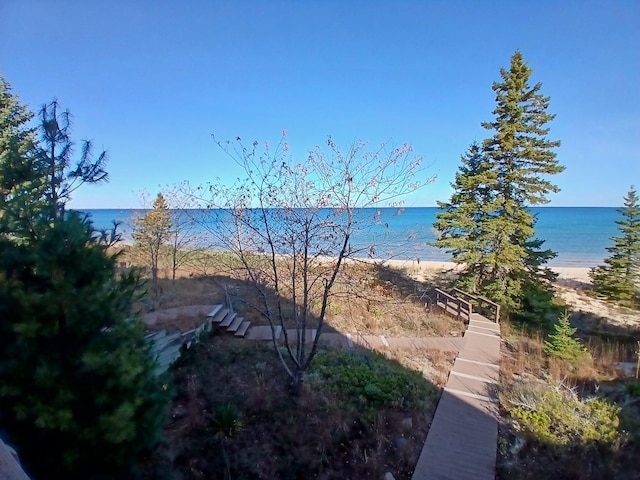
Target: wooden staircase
[(230, 321), (166, 346), (462, 305), (462, 440)]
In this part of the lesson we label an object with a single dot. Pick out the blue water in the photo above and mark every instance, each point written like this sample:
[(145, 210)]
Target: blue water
[(579, 235)]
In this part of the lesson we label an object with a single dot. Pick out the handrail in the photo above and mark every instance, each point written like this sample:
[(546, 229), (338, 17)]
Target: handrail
[(483, 304), (465, 294), (490, 305), (453, 305), (461, 308)]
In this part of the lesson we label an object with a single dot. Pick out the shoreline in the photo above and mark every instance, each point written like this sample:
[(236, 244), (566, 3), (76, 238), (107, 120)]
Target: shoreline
[(565, 274), (569, 275)]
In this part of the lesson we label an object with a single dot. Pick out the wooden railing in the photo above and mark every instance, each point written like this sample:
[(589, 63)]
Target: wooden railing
[(483, 305), (166, 346), (457, 307)]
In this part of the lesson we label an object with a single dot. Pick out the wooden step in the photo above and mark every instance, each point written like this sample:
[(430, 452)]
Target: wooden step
[(235, 324), (241, 332), (164, 340), (215, 310), (220, 315), (228, 320)]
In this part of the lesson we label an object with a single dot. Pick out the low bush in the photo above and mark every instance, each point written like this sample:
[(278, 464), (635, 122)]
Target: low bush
[(633, 389), (555, 415), (369, 380)]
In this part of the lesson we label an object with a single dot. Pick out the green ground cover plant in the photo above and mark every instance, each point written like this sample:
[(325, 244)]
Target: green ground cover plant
[(368, 381), (342, 425)]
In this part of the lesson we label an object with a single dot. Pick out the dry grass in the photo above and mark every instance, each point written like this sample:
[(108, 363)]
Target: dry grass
[(316, 436), (434, 365), (522, 353), (523, 360), (368, 299)]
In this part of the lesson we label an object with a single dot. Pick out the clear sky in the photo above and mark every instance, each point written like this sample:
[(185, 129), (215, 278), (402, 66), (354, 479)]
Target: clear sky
[(151, 80)]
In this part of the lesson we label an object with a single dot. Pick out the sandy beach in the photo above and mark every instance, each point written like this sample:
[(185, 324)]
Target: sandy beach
[(565, 274)]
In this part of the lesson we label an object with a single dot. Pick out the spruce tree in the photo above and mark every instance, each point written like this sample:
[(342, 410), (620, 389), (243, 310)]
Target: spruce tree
[(78, 393), (459, 224), (619, 278), (503, 259), (562, 343), (21, 169), (151, 232)]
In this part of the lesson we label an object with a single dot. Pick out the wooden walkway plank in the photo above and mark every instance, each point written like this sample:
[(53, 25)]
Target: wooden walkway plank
[(472, 385), (476, 369), (461, 443), (463, 437)]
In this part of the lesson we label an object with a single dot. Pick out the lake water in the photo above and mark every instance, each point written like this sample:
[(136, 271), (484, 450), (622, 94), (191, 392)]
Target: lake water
[(579, 235)]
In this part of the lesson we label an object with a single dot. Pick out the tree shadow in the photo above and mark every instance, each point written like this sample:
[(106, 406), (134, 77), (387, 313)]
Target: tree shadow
[(348, 430)]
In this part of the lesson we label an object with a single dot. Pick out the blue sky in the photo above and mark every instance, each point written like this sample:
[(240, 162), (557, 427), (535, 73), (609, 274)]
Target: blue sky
[(151, 80)]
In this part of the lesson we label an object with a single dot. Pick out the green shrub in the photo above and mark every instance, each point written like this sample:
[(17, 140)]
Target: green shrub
[(633, 389), (369, 381), (556, 416), (225, 421), (561, 343), (537, 307)]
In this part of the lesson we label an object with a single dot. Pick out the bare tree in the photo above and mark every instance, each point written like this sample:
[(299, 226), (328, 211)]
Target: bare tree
[(184, 237), (291, 224)]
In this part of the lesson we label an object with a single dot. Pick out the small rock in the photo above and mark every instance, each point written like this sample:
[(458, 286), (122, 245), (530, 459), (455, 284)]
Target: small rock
[(406, 424), (400, 443), (389, 476), (179, 411), (454, 333), (627, 369), (518, 444)]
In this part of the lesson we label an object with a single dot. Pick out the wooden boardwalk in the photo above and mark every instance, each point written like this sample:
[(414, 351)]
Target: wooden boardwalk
[(462, 440)]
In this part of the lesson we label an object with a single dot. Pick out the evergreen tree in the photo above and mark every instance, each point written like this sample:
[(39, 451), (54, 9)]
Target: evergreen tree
[(459, 224), (492, 232), (78, 394), (562, 343), (56, 150), (151, 232), (20, 190), (619, 278)]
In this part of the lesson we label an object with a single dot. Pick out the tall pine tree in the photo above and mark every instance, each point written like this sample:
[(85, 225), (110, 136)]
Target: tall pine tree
[(459, 224), (55, 152), (619, 278), (492, 233)]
